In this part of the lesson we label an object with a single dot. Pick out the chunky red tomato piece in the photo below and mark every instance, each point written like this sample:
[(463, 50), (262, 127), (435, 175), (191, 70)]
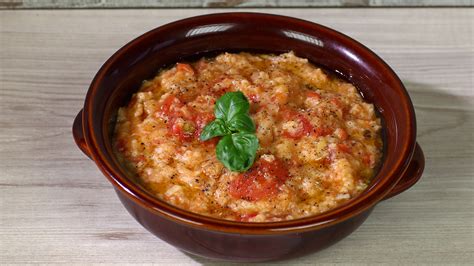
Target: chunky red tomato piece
[(343, 148), (326, 161), (366, 159), (184, 68), (313, 94), (169, 104), (260, 182), (341, 133), (304, 129), (177, 125), (246, 217), (184, 130), (322, 131), (183, 121)]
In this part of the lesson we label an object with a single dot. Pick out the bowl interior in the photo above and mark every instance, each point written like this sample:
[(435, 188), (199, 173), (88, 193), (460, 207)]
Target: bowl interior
[(193, 38)]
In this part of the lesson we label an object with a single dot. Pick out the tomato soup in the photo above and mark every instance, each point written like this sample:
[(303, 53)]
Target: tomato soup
[(319, 142)]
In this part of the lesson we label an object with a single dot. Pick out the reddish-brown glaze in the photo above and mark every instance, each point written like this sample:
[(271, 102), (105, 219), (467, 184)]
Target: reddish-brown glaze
[(412, 174), (195, 37)]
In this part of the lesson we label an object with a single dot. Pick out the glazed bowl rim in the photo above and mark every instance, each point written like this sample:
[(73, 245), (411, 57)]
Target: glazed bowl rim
[(367, 199)]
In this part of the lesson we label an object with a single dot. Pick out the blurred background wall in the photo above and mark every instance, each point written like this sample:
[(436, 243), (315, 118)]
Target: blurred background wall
[(50, 4)]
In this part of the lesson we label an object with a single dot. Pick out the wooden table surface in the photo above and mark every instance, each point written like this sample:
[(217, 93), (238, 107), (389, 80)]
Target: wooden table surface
[(56, 207)]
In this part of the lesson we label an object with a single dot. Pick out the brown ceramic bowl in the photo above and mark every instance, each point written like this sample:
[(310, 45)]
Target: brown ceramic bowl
[(192, 38)]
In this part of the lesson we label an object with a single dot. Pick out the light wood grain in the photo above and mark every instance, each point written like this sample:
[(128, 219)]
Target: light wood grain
[(55, 206)]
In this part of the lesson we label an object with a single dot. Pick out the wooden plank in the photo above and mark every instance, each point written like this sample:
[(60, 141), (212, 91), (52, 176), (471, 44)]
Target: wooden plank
[(57, 208)]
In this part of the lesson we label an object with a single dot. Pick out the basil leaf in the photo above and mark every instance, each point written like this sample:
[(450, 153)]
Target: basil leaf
[(230, 104), (241, 123), (238, 146), (214, 129), (237, 151)]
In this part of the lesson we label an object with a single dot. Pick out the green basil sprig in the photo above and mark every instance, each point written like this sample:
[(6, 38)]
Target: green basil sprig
[(238, 146)]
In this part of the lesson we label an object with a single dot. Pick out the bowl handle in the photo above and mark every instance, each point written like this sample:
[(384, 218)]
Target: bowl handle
[(78, 134), (411, 175)]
